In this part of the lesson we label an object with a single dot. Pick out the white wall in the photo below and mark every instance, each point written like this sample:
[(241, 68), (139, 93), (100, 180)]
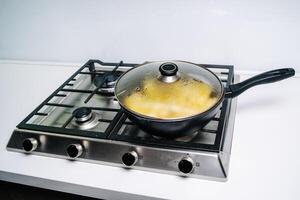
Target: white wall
[(249, 34)]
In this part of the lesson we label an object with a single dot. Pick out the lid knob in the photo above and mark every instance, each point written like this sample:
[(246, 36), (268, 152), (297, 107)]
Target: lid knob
[(168, 69), (168, 72)]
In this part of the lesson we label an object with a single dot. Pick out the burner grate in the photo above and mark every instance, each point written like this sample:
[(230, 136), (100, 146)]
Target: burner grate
[(66, 89), (55, 113), (208, 138)]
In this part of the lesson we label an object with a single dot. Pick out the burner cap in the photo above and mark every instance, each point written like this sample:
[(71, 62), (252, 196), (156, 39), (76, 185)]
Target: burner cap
[(82, 114), (110, 80), (108, 86)]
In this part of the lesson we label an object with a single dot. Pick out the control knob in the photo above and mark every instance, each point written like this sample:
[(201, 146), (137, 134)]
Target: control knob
[(30, 144), (186, 165), (129, 158), (74, 150)]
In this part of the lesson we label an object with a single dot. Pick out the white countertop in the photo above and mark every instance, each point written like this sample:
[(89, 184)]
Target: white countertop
[(265, 161)]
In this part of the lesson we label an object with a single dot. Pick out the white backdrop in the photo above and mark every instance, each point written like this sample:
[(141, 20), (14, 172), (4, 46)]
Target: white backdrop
[(249, 34)]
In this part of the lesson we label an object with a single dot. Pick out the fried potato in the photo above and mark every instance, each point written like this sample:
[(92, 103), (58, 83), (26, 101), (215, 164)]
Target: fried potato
[(183, 98)]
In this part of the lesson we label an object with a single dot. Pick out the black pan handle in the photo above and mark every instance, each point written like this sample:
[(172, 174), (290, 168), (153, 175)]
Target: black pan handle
[(267, 77)]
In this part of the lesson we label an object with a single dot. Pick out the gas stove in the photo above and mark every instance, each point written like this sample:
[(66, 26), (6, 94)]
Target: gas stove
[(83, 121)]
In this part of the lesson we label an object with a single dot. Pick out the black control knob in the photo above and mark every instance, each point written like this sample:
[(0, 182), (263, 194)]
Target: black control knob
[(186, 165), (30, 144), (129, 158), (74, 150)]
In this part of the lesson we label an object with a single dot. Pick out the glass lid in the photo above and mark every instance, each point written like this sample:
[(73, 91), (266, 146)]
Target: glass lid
[(168, 89)]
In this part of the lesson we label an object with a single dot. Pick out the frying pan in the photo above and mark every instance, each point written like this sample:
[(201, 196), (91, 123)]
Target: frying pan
[(169, 72)]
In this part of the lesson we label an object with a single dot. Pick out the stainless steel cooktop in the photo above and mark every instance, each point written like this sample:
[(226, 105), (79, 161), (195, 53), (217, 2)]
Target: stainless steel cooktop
[(83, 121)]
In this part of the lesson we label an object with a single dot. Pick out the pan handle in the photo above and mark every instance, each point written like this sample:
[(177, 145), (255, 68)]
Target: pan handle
[(266, 77)]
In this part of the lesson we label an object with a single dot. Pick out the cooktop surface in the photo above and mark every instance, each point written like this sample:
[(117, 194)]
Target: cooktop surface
[(84, 108)]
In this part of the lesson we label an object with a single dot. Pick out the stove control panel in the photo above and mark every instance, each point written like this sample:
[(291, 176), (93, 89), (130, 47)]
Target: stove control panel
[(118, 153)]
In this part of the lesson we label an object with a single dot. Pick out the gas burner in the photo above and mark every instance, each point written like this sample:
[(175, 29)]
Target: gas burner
[(107, 87), (85, 118), (186, 138)]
